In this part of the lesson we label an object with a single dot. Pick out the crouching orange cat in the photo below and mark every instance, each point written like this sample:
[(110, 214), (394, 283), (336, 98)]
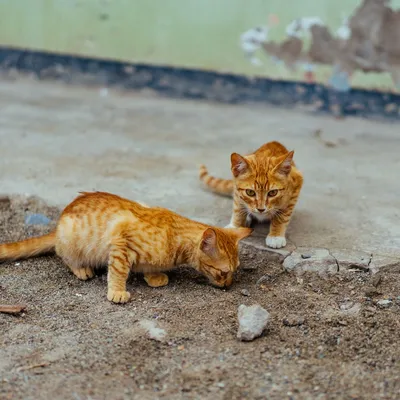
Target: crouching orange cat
[(99, 228), (265, 186)]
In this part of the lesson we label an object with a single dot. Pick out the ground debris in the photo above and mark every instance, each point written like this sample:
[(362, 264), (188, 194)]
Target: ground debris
[(152, 330), (385, 303), (293, 320), (37, 219), (11, 309), (33, 366)]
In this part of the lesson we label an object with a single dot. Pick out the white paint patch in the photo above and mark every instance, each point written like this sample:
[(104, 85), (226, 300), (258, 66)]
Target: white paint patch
[(251, 41), (344, 32), (299, 26)]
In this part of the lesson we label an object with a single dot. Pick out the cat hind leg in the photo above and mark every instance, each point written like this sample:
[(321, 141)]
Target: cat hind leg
[(157, 279)]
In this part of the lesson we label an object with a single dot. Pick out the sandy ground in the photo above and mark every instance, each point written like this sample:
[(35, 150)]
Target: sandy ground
[(71, 343)]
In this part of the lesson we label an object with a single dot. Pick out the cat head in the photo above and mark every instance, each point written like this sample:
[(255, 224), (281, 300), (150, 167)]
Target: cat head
[(218, 255), (262, 184)]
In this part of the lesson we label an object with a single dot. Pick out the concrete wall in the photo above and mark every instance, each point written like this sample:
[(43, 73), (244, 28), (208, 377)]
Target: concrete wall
[(203, 34)]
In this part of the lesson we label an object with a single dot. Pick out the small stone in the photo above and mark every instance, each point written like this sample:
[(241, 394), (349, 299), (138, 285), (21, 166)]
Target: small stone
[(347, 305), (372, 291), (293, 320), (376, 280), (252, 321), (264, 279), (37, 219), (5, 200), (245, 292), (384, 303), (305, 256), (152, 330)]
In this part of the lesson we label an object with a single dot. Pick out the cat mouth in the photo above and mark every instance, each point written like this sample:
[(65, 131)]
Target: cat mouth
[(223, 285)]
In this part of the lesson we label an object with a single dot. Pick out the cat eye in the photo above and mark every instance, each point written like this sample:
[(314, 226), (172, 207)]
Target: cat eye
[(250, 192), (273, 193)]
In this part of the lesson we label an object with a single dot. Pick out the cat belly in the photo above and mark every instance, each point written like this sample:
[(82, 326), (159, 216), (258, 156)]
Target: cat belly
[(81, 248), (150, 268)]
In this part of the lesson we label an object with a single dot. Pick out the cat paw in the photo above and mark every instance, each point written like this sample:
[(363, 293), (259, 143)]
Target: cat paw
[(156, 280), (275, 242), (117, 296), (84, 273)]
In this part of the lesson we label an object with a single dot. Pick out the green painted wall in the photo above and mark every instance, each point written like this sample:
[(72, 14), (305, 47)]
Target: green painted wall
[(202, 34)]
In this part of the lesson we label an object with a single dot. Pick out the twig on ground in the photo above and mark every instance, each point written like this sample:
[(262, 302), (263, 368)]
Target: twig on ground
[(28, 367), (11, 309)]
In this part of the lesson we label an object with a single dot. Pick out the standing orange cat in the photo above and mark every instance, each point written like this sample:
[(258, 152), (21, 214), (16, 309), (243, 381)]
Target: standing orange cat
[(99, 228), (265, 186)]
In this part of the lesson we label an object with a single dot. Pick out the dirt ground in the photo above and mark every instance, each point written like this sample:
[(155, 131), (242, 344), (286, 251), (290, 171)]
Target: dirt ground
[(71, 343)]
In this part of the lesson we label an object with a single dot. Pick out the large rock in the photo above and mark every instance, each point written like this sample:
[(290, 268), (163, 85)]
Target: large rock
[(311, 259), (252, 321)]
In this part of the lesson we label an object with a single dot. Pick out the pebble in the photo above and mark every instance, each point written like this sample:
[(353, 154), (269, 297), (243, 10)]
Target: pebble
[(37, 219), (384, 303), (245, 292), (252, 321), (376, 280), (347, 305), (372, 291), (5, 200), (264, 279), (293, 320), (152, 330), (305, 256)]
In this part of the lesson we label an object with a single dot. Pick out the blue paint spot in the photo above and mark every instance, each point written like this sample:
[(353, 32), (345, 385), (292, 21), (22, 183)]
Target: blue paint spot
[(37, 219), (339, 80)]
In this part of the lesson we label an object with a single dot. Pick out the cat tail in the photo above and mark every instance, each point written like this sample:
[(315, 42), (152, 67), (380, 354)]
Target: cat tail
[(217, 185), (28, 248)]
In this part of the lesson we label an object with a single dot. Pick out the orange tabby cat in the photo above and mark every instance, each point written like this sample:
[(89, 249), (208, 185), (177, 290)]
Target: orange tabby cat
[(265, 186), (99, 228)]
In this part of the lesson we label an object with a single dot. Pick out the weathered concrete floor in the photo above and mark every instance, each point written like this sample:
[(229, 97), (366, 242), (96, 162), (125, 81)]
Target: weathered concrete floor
[(56, 140)]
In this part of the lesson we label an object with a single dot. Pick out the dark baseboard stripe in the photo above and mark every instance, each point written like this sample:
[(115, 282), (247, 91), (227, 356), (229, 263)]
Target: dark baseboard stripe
[(197, 84)]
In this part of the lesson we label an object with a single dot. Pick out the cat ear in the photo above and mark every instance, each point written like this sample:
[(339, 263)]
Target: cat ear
[(208, 244), (285, 164), (238, 164), (241, 233)]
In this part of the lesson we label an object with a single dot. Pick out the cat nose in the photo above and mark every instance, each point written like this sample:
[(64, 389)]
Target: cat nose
[(261, 210)]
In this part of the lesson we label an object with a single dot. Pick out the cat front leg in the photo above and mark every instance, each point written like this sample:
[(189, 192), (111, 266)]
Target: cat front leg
[(120, 260), (276, 238)]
